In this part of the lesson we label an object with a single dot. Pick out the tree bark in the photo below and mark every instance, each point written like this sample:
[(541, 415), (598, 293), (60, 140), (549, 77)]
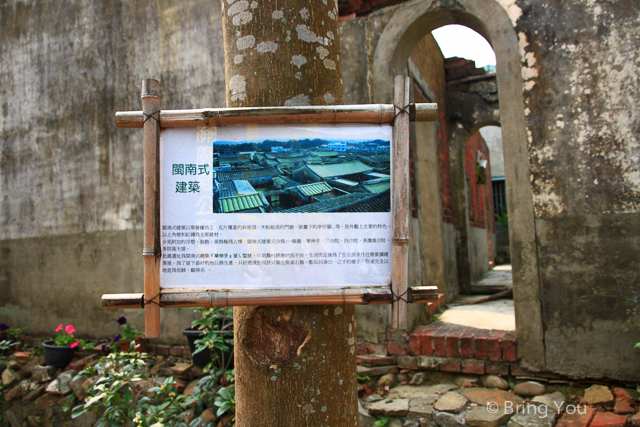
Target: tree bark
[(295, 365)]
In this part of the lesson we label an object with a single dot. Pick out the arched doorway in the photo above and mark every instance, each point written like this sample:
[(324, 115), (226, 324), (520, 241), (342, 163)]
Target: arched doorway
[(409, 23)]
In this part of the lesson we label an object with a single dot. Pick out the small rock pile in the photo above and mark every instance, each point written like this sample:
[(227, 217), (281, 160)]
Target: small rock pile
[(36, 395), (490, 401)]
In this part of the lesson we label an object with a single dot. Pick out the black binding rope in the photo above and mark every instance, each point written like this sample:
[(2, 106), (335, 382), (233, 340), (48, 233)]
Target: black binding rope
[(400, 110), (151, 300), (151, 116), (395, 298)]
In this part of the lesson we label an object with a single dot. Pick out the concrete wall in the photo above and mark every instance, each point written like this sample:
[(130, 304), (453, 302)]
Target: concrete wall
[(568, 81), (582, 85), (373, 321), (478, 253), (492, 135), (71, 182)]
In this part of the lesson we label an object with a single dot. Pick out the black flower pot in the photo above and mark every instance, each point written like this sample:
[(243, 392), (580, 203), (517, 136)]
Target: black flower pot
[(57, 356), (204, 357)]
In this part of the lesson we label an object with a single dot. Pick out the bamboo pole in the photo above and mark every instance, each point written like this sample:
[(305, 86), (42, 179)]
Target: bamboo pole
[(400, 207), (250, 297), (371, 113), (151, 252)]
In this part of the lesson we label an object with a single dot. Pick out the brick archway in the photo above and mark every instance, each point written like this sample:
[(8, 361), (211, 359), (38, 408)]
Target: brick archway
[(408, 24)]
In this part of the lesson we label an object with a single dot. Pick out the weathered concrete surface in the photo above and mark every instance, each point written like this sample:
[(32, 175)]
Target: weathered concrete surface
[(354, 61), (568, 84), (433, 260), (567, 80), (71, 182), (402, 27), (492, 135), (458, 137), (373, 321), (589, 305), (478, 253), (582, 84), (51, 280)]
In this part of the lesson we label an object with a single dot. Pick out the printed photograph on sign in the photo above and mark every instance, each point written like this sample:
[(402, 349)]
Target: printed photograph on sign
[(301, 175), (275, 206)]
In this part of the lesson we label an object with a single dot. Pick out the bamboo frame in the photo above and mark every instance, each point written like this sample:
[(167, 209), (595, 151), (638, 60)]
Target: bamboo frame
[(151, 119), (372, 113), (247, 297), (400, 203), (151, 252)]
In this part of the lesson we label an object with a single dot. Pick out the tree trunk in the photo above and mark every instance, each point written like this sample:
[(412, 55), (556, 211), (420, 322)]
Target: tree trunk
[(296, 365)]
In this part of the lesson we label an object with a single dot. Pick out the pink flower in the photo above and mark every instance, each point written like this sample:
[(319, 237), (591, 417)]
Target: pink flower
[(69, 329), (59, 328), (74, 344)]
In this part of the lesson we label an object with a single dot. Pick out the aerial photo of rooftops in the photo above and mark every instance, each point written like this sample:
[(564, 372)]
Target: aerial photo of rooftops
[(301, 176)]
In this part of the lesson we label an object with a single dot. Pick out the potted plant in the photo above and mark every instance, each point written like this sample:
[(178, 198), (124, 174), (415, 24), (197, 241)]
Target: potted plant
[(127, 334), (211, 337), (59, 351)]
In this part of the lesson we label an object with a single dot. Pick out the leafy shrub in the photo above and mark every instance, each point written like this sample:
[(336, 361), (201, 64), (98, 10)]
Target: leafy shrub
[(120, 399)]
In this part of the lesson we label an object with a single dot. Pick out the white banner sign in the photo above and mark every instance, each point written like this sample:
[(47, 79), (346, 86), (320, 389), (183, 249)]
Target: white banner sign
[(274, 206)]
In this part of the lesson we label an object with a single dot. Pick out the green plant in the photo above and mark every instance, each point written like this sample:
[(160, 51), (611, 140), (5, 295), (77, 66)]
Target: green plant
[(7, 344), (119, 397), (15, 333), (65, 338), (215, 323), (504, 218), (382, 421), (127, 334), (226, 401), (10, 337), (364, 378)]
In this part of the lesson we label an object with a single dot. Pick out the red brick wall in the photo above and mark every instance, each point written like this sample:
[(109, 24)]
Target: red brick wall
[(429, 60), (479, 197)]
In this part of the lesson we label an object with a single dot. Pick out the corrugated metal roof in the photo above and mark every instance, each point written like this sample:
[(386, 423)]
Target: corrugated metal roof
[(242, 203), (327, 170), (377, 187), (308, 190), (249, 174)]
